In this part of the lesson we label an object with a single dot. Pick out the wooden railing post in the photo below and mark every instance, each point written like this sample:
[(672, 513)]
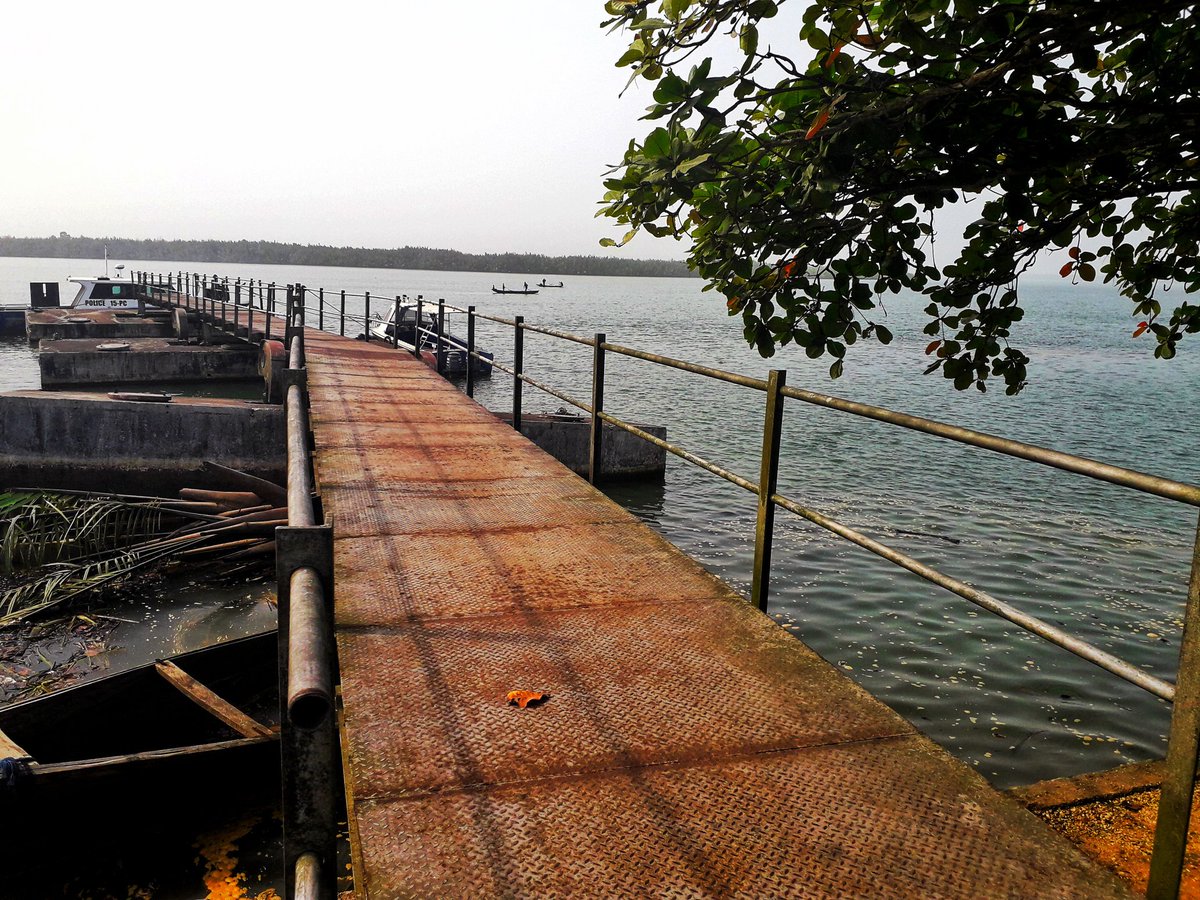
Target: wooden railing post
[(767, 479), (596, 445)]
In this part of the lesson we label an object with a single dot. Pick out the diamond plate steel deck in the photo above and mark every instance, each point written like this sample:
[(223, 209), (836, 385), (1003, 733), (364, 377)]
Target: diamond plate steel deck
[(689, 746)]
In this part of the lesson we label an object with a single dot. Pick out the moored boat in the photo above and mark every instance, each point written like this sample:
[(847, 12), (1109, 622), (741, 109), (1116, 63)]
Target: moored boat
[(204, 717), (454, 349), (103, 292)]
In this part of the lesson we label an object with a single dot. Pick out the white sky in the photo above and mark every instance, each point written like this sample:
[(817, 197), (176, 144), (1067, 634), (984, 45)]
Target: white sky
[(477, 125)]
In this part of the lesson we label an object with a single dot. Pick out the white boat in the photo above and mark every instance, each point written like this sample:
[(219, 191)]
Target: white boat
[(104, 291), (454, 349)]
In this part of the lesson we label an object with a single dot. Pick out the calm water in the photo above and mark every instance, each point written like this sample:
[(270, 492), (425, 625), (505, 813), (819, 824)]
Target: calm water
[(1108, 564)]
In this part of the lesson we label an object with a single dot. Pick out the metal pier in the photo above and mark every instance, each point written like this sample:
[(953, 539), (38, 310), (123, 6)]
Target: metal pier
[(689, 746)]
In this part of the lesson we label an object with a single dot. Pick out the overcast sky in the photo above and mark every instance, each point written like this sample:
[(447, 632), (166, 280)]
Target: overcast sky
[(478, 125)]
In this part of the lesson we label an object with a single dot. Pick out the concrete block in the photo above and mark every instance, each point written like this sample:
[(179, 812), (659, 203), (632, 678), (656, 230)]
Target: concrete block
[(78, 363), (90, 442), (568, 439)]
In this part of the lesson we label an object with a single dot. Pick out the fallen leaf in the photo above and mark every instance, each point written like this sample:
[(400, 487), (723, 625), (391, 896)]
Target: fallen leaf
[(525, 698)]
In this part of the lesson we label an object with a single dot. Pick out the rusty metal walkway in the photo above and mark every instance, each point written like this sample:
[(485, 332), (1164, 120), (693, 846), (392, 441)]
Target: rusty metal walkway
[(689, 746)]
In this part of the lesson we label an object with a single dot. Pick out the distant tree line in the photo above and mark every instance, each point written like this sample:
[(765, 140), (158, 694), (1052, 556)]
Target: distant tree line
[(272, 253)]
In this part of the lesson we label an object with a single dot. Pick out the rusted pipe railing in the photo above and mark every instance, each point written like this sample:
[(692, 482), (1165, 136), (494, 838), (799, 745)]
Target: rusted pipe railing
[(304, 573)]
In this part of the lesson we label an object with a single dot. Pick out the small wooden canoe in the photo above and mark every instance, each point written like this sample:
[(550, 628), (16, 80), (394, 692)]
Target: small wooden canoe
[(496, 290), (102, 782), (199, 715)]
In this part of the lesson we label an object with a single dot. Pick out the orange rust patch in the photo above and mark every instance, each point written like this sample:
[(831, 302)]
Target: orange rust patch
[(1118, 833)]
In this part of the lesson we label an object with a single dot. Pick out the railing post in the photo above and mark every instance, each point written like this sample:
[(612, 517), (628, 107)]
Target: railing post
[(470, 351), (367, 314), (518, 368), (396, 324), (417, 327), (768, 477), (596, 444), (441, 335), (342, 323), (237, 303), (1183, 745), (321, 309)]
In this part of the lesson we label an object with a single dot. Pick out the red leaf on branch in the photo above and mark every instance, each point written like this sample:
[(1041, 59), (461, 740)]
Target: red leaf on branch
[(833, 54), (1073, 253), (818, 124), (1142, 326), (789, 268), (1067, 270), (933, 345)]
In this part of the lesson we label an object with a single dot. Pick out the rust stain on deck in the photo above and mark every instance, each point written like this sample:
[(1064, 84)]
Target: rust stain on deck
[(690, 745)]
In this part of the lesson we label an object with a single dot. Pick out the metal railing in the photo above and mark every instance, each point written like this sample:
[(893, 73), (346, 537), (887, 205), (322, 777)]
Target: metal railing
[(307, 665), (1184, 738), (309, 759)]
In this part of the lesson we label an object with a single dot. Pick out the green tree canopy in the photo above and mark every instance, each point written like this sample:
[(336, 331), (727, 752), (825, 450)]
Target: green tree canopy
[(1074, 122)]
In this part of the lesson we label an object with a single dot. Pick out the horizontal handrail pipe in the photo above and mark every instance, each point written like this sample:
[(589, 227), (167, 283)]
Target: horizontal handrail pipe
[(310, 681), (566, 398), (758, 384), (1138, 481)]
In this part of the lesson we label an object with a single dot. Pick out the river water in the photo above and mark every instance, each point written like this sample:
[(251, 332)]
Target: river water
[(1106, 563)]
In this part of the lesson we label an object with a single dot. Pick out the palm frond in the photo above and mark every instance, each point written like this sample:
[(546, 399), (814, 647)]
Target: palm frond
[(40, 527)]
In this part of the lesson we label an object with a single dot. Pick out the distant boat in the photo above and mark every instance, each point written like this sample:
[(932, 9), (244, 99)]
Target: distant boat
[(544, 284), (501, 290)]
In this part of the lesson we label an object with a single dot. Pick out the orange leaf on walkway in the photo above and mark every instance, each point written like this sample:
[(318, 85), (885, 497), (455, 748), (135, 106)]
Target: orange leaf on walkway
[(525, 698)]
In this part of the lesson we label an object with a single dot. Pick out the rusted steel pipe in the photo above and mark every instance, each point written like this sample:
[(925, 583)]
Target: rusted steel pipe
[(470, 351), (764, 529), (299, 481), (1149, 484), (1054, 635), (307, 883), (741, 482), (310, 681), (1183, 745), (537, 384), (296, 353), (757, 384)]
